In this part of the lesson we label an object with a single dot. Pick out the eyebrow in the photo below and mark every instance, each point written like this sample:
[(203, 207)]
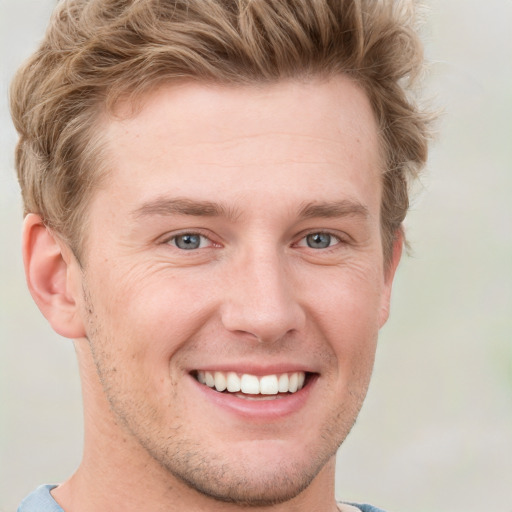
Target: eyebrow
[(334, 209), (181, 206), (198, 208)]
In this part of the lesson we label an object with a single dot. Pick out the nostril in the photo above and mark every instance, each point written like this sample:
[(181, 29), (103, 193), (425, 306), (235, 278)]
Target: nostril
[(263, 310)]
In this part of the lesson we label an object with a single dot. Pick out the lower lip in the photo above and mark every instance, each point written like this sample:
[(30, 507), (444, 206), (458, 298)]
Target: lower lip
[(255, 410)]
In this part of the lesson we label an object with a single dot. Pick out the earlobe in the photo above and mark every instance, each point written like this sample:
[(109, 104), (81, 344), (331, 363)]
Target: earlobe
[(389, 275), (51, 272)]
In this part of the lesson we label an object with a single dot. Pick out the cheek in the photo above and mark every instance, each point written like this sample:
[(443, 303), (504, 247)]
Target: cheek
[(348, 301), (143, 320), (348, 315)]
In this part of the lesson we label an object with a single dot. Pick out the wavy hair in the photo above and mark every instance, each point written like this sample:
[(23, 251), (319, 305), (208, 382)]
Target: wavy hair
[(96, 52)]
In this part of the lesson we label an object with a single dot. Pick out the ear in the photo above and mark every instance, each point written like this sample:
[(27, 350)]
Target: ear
[(389, 275), (53, 277)]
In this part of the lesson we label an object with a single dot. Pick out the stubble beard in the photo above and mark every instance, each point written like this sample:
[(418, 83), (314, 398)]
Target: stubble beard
[(199, 467)]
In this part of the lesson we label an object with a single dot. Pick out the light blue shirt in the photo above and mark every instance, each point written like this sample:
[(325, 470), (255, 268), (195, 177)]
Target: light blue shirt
[(42, 501)]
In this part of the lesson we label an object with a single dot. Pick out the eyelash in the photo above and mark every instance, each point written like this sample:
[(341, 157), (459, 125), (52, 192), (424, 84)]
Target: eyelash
[(173, 240), (302, 242), (337, 240)]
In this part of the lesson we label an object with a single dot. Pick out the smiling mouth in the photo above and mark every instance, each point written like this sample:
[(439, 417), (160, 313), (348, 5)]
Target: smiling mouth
[(252, 387)]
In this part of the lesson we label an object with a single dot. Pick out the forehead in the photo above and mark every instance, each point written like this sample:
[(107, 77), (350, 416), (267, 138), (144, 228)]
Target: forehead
[(219, 138)]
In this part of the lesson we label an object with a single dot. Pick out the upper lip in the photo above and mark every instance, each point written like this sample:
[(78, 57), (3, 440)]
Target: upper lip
[(255, 369)]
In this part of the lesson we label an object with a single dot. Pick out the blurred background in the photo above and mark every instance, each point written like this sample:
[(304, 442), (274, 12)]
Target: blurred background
[(435, 433)]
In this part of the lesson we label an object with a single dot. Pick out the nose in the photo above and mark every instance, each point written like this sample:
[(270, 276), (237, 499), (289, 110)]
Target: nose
[(260, 299)]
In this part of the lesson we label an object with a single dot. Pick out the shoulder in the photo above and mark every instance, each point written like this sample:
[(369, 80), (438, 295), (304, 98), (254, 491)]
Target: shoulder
[(356, 507), (40, 501)]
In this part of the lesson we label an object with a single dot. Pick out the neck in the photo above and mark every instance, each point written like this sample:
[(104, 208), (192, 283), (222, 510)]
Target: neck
[(87, 491), (118, 474)]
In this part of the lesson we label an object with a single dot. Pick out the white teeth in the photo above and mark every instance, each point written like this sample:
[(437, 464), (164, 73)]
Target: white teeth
[(283, 383), (251, 384), (258, 398), (210, 381), (268, 385), (233, 382), (300, 380), (220, 381), (294, 382)]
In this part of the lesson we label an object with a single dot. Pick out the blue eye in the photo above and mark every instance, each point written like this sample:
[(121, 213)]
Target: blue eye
[(188, 241), (319, 240)]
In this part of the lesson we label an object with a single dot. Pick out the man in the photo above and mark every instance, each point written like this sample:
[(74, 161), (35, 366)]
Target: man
[(214, 193)]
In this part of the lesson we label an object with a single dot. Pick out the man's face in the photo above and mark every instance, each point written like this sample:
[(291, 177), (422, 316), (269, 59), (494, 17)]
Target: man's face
[(237, 239)]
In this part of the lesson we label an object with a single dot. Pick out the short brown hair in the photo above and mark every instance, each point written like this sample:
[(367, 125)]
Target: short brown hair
[(97, 51)]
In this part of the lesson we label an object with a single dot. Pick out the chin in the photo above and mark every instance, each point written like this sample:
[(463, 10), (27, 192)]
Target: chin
[(252, 474), (251, 487)]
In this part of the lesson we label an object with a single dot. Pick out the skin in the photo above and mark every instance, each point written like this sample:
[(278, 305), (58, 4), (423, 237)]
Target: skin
[(253, 171)]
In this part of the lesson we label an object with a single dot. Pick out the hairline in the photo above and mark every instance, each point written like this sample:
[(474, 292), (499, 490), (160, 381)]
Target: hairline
[(129, 104)]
